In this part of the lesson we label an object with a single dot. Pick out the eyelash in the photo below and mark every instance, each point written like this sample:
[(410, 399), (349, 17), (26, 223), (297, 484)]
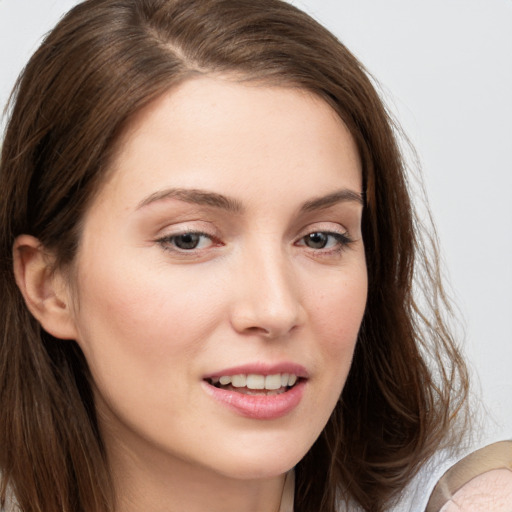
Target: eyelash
[(167, 241), (342, 241)]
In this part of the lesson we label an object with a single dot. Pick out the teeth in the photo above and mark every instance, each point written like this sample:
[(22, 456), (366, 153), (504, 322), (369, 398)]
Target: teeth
[(239, 381), (257, 382), (273, 381)]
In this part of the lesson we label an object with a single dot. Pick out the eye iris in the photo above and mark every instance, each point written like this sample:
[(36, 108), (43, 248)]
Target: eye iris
[(187, 240), (316, 240)]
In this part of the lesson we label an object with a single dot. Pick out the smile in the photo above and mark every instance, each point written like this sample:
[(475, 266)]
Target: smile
[(259, 392), (255, 384)]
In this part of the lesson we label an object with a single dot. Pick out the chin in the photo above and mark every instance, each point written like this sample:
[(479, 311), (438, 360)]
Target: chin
[(262, 460)]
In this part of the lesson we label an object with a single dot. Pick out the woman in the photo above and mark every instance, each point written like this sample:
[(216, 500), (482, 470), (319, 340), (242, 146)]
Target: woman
[(213, 248)]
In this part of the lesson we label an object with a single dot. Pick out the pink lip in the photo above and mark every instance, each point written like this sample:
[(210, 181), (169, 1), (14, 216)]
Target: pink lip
[(261, 369), (261, 407)]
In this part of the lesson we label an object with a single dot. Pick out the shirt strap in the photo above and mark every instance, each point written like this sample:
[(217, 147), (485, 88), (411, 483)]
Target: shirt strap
[(491, 457), (288, 492)]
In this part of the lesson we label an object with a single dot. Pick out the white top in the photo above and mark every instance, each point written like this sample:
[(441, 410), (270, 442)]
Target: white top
[(415, 496)]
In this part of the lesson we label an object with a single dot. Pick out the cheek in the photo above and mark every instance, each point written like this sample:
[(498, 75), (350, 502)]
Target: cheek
[(337, 320), (339, 312), (141, 316)]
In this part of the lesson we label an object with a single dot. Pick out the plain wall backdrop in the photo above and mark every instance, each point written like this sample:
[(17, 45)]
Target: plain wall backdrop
[(445, 70)]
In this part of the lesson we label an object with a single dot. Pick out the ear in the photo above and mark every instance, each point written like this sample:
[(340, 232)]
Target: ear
[(45, 291)]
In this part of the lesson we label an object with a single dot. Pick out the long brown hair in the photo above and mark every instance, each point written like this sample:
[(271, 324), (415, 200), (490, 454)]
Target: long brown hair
[(103, 62)]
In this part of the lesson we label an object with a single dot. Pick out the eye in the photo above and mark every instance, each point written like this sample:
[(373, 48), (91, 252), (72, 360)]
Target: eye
[(187, 241), (325, 240)]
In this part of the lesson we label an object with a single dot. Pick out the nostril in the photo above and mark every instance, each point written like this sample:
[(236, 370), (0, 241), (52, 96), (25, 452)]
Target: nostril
[(257, 330)]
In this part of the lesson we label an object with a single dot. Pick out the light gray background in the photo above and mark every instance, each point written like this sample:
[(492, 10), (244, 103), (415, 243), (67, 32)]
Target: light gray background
[(445, 68)]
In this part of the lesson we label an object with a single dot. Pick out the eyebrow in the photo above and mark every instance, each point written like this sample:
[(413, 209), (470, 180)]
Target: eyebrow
[(195, 196), (202, 197), (341, 196)]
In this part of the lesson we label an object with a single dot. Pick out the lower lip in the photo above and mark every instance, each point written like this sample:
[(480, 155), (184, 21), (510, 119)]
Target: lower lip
[(260, 407)]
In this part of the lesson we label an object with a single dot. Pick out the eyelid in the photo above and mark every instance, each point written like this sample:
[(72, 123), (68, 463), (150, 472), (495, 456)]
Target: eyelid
[(201, 227), (165, 239), (333, 229), (343, 238), (324, 227)]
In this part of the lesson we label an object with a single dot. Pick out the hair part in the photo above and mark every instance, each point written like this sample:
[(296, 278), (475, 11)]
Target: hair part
[(103, 62)]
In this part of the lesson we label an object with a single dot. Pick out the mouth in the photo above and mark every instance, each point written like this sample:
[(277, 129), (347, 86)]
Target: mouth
[(256, 384), (258, 391)]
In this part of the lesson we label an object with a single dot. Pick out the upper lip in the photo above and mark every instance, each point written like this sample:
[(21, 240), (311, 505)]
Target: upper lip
[(261, 368)]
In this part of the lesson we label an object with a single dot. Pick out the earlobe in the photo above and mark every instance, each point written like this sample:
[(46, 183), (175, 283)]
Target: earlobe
[(45, 291)]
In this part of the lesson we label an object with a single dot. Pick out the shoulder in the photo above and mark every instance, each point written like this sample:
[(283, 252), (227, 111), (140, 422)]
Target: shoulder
[(490, 491), (481, 481)]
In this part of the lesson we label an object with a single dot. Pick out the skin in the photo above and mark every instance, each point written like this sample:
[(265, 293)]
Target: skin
[(491, 491), (153, 319)]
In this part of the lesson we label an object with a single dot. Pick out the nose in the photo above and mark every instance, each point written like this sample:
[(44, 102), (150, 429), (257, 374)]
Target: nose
[(268, 301)]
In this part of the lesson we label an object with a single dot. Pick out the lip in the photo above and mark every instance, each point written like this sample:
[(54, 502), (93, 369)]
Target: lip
[(260, 407), (261, 369)]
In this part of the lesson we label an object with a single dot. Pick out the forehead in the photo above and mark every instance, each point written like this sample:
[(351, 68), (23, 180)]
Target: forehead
[(225, 133)]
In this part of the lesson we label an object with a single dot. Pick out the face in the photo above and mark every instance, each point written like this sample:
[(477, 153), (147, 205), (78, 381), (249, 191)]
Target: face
[(223, 255)]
